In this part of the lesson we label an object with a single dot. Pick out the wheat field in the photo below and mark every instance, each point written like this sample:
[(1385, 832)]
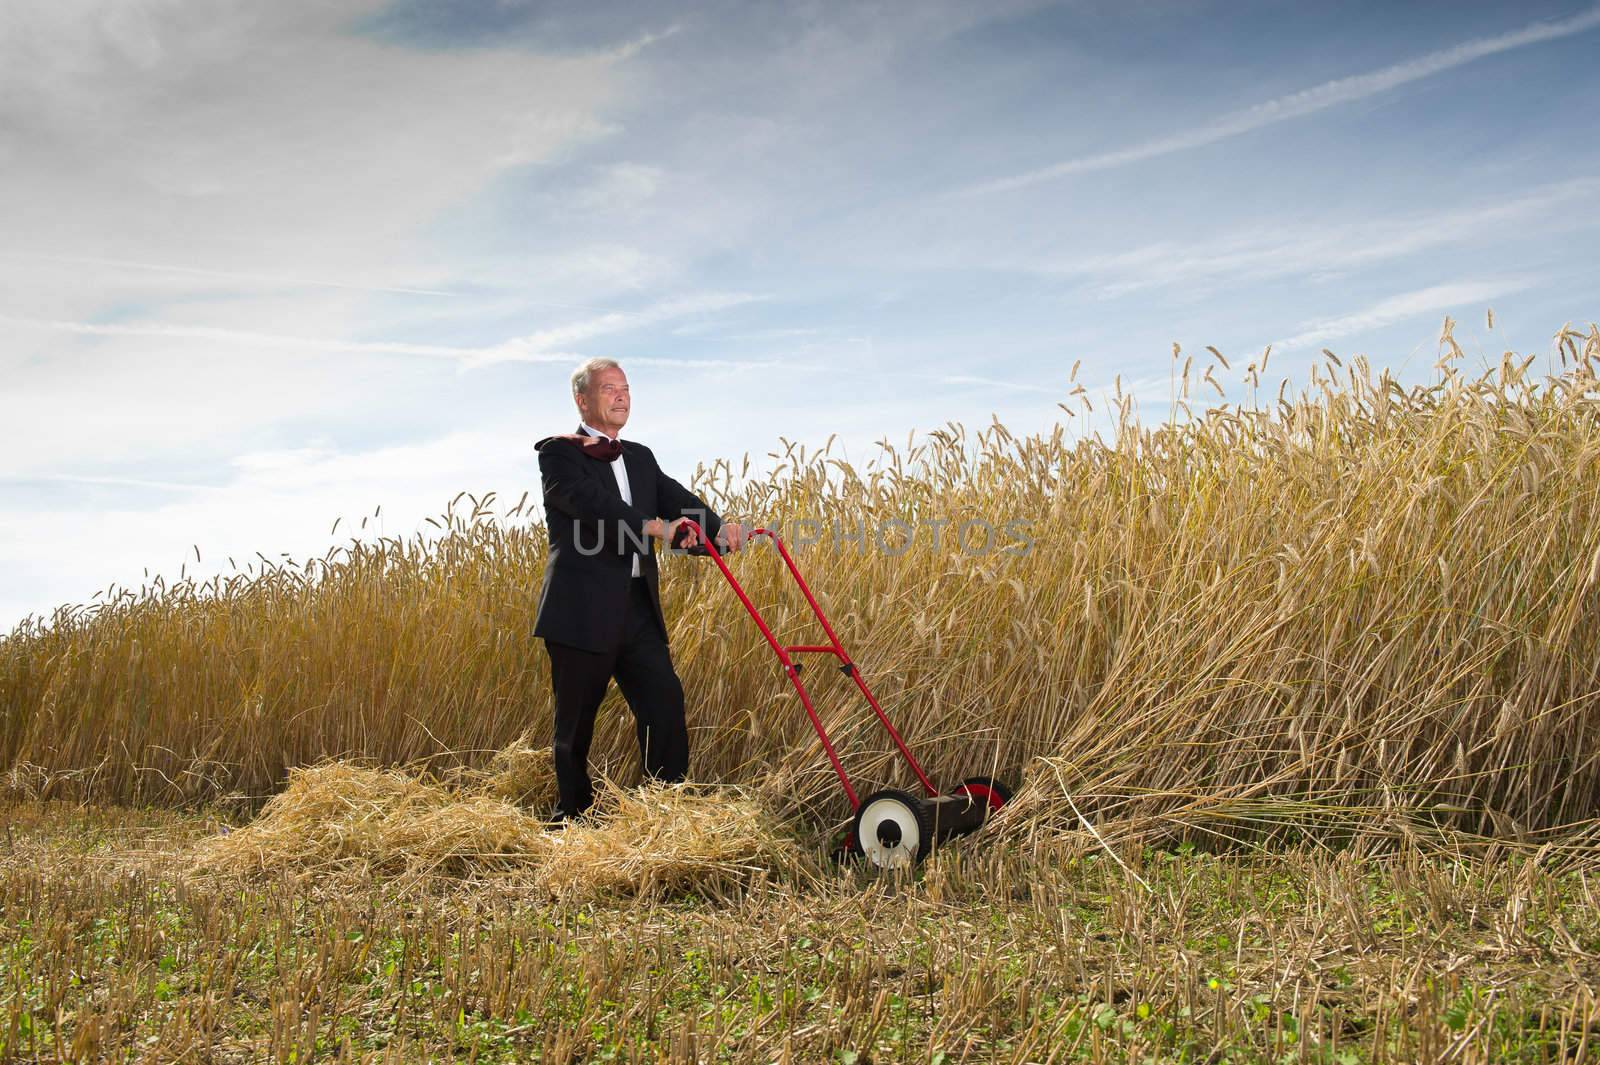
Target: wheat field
[(1358, 601)]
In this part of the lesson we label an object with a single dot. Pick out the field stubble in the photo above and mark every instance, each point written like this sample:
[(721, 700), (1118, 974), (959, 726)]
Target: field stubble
[(114, 950)]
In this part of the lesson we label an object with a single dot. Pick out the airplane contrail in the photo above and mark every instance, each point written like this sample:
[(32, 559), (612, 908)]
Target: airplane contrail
[(1305, 102)]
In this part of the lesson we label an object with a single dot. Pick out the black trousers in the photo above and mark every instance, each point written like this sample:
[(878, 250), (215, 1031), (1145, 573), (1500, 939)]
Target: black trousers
[(643, 669)]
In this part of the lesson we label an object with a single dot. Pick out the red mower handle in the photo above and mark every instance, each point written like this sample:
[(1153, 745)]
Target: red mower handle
[(792, 668)]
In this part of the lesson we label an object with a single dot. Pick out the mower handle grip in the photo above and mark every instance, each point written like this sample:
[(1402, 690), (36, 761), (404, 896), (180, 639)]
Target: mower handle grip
[(705, 547), (702, 549)]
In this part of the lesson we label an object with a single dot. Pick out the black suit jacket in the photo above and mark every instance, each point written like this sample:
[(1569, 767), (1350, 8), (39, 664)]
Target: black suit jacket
[(594, 537)]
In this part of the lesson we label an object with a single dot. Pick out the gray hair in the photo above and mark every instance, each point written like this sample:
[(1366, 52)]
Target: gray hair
[(580, 376)]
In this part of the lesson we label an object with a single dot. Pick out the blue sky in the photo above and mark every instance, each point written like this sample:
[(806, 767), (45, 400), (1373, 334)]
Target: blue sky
[(266, 266)]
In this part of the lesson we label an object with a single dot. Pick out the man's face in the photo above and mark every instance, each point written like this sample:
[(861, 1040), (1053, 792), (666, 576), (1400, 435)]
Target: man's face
[(606, 403)]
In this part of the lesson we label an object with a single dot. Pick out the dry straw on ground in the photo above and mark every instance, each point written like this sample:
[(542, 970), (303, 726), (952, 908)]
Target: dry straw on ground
[(339, 818), (519, 773)]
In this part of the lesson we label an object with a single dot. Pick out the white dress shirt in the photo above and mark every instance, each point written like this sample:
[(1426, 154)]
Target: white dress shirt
[(620, 469)]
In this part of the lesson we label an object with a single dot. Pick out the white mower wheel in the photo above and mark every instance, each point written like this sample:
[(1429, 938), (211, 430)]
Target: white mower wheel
[(893, 829)]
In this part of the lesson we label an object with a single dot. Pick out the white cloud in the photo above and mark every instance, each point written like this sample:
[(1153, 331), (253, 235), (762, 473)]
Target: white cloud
[(541, 346), (174, 391), (1304, 102), (232, 277), (1402, 307), (535, 347), (620, 187), (114, 482), (286, 498), (239, 159), (261, 140), (966, 380), (280, 502), (1323, 249), (241, 338), (208, 182)]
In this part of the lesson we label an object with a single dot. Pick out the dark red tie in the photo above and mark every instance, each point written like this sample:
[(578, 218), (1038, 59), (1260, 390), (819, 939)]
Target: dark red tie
[(600, 448)]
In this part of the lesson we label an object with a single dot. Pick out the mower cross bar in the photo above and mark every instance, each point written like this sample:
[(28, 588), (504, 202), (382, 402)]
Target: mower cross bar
[(792, 668)]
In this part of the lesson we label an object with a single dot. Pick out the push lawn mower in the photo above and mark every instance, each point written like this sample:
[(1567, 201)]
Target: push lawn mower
[(891, 828)]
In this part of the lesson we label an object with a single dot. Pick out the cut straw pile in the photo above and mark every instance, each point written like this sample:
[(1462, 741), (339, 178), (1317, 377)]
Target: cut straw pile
[(667, 839), (518, 773), (343, 818)]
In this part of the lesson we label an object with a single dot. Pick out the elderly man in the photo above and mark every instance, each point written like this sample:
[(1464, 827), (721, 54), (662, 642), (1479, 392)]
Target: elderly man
[(606, 503)]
